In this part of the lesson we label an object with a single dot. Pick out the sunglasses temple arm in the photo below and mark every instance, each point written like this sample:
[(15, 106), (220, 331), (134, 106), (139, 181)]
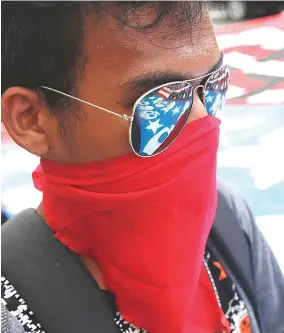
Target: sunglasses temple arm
[(124, 116)]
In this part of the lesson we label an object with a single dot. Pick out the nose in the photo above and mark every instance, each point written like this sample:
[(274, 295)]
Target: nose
[(198, 109)]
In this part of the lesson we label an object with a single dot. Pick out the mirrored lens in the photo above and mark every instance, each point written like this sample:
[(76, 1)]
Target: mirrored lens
[(159, 117), (216, 90)]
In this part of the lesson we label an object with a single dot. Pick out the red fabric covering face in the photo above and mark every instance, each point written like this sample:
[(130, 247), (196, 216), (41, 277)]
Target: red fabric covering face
[(146, 222)]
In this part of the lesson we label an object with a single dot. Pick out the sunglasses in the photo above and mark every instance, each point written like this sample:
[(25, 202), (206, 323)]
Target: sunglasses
[(160, 115)]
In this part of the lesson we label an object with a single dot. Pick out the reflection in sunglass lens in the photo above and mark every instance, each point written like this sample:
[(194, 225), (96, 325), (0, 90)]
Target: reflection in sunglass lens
[(216, 90), (159, 117)]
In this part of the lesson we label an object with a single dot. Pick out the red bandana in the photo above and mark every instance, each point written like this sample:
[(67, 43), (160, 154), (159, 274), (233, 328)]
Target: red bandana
[(145, 221)]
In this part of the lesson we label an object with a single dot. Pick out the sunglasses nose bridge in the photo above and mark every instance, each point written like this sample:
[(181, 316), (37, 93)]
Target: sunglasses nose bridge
[(200, 92), (198, 109)]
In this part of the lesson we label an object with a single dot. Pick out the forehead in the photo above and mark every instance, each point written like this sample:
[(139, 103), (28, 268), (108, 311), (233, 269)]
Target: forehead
[(122, 54)]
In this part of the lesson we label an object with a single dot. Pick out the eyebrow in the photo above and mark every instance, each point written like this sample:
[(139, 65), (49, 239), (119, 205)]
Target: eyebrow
[(155, 79)]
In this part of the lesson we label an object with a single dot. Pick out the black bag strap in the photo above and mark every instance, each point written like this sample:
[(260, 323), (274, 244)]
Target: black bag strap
[(231, 242), (51, 279)]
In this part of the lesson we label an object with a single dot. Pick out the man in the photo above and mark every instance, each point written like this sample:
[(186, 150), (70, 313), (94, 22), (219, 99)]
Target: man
[(121, 101)]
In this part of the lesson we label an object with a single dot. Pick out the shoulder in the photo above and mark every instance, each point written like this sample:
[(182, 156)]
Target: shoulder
[(230, 201), (267, 276)]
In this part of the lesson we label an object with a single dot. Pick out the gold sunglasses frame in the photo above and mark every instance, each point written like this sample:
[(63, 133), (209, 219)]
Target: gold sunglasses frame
[(130, 119)]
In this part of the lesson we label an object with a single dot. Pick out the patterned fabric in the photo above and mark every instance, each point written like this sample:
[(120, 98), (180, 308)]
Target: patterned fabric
[(18, 307), (232, 305), (9, 323)]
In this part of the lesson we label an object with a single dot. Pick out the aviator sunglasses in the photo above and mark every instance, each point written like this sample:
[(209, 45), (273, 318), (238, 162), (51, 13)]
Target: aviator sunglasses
[(160, 115)]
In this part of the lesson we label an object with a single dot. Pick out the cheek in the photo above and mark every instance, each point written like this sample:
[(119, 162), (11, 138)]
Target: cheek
[(101, 136), (61, 139)]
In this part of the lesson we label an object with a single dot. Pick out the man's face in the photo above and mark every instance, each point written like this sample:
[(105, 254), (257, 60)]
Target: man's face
[(121, 65)]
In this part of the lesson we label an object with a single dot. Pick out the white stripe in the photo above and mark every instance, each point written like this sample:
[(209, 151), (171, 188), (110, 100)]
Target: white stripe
[(248, 64)]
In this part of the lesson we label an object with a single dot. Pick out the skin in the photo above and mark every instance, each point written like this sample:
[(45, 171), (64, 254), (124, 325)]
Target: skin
[(114, 59)]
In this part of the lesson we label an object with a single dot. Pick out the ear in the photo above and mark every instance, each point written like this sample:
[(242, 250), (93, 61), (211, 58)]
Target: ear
[(24, 115)]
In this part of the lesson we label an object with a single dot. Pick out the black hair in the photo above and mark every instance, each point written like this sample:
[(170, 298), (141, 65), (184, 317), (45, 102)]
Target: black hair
[(42, 40)]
